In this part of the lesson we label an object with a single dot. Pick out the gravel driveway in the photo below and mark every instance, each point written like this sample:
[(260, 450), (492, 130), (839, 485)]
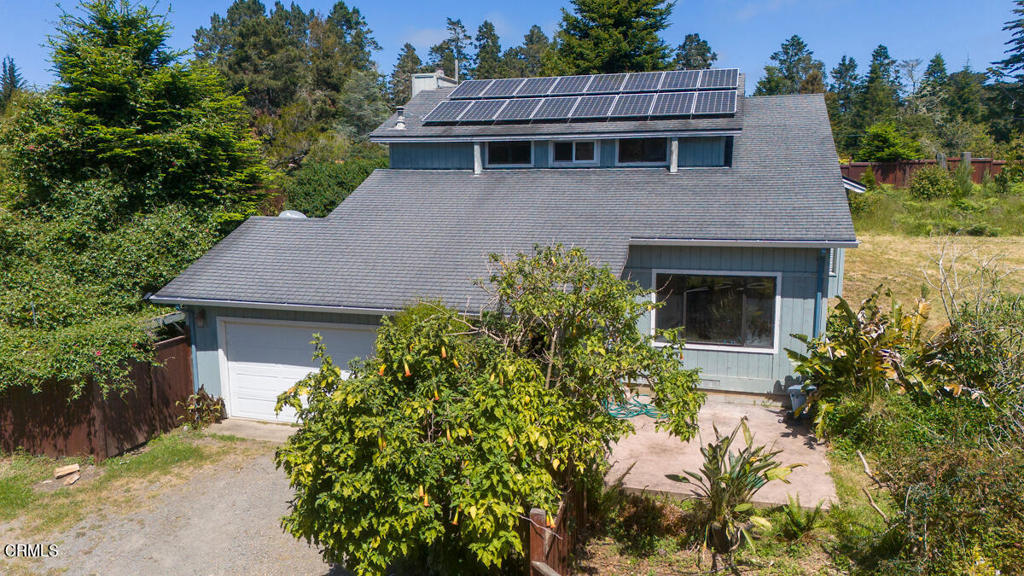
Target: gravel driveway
[(224, 520)]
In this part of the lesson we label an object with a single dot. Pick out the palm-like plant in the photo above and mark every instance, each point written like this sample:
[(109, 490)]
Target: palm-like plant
[(726, 483)]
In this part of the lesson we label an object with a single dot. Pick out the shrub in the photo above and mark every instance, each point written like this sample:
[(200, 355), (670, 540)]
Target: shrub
[(798, 521), (201, 410), (318, 187), (437, 445), (932, 182), (725, 485), (883, 142)]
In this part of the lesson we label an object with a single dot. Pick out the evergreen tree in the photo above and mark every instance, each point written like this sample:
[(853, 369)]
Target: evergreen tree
[(844, 84), (878, 99), (11, 81), (260, 55), (488, 62), (125, 109), (527, 59), (963, 93), (694, 54), (935, 74), (1013, 64), (452, 51), (602, 36), (339, 45), (400, 83), (795, 71)]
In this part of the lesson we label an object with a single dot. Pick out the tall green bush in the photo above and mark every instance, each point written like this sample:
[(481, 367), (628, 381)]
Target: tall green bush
[(883, 142), (317, 188), (932, 182), (437, 446)]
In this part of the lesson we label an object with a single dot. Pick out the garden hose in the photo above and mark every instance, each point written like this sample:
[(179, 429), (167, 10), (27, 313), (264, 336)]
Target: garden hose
[(632, 407)]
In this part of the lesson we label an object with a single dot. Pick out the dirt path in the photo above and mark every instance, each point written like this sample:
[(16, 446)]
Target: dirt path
[(224, 520)]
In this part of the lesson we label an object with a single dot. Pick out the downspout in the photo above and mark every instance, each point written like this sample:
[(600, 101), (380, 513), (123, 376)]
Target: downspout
[(819, 296), (192, 343)]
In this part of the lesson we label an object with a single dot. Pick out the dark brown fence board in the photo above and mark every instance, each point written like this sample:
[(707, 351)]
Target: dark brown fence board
[(899, 174), (47, 422), (549, 549)]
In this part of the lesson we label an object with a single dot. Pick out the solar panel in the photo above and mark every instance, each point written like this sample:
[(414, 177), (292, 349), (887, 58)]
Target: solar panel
[(571, 85), (518, 109), (716, 102), (673, 104), (555, 108), (502, 88), (720, 78), (606, 83), (633, 105), (470, 89), (680, 80), (536, 86), (482, 111), (447, 111), (642, 82), (594, 106)]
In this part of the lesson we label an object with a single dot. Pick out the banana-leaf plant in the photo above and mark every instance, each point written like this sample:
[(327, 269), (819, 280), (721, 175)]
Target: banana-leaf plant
[(725, 486)]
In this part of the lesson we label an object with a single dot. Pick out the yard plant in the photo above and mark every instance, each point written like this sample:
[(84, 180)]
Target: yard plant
[(436, 447)]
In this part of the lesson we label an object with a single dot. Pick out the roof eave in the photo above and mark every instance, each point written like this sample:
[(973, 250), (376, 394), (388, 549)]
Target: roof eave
[(427, 138), (744, 243), (186, 301)]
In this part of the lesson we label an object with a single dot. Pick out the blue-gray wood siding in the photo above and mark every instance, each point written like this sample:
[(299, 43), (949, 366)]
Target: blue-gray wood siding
[(768, 372), (693, 152), (725, 370), (205, 344)]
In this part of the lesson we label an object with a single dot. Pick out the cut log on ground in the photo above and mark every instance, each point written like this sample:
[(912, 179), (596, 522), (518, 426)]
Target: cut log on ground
[(65, 470)]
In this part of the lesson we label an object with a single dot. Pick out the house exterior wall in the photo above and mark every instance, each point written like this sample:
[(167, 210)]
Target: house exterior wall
[(693, 152), (205, 344), (800, 271)]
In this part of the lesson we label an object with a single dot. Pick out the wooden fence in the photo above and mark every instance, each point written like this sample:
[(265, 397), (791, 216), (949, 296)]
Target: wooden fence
[(899, 174), (48, 422), (549, 549)]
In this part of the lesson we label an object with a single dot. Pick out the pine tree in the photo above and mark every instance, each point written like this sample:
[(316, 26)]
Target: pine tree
[(488, 62), (694, 54), (878, 98), (935, 74), (602, 36), (452, 51), (11, 81), (400, 83), (1013, 64), (844, 83), (527, 59), (795, 71)]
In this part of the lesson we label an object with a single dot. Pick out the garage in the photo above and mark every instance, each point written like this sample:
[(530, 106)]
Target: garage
[(262, 359)]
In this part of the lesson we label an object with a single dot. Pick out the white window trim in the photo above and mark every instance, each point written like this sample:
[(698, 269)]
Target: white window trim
[(664, 162), (574, 161), (487, 155), (714, 347)]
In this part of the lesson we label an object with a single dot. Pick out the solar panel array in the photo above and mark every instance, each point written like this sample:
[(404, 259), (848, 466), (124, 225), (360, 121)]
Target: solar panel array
[(599, 96)]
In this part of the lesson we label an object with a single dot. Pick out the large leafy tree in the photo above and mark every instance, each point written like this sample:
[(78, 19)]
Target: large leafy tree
[(694, 54), (612, 36), (125, 108), (438, 445), (527, 59), (794, 71), (488, 62), (452, 54)]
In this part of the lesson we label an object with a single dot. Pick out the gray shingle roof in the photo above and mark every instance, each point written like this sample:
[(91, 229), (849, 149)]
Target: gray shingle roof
[(425, 101), (408, 234)]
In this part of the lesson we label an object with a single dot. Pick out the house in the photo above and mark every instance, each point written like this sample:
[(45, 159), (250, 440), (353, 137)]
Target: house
[(732, 207)]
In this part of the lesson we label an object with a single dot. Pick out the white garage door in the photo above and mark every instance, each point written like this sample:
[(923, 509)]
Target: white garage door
[(263, 359)]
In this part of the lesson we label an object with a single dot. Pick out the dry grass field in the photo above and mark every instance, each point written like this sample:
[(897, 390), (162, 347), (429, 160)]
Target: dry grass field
[(905, 263)]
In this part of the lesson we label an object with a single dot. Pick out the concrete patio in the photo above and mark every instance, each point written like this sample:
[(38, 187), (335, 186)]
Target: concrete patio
[(654, 455)]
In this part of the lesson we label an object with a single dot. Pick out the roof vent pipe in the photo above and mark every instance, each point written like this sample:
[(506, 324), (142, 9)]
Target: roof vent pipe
[(400, 123)]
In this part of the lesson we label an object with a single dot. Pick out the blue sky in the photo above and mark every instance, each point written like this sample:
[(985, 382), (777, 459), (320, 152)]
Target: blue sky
[(743, 32)]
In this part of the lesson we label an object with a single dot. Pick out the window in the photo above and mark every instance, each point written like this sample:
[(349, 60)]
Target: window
[(583, 152), (643, 151), (720, 311), (509, 154)]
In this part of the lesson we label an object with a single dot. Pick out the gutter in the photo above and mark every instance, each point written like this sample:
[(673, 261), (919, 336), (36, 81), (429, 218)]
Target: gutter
[(744, 243), (556, 136), (270, 306)]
